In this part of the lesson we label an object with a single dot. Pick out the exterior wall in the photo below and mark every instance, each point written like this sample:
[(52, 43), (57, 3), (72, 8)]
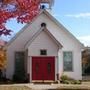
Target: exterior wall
[(18, 43), (66, 39), (77, 66), (43, 41), (69, 44)]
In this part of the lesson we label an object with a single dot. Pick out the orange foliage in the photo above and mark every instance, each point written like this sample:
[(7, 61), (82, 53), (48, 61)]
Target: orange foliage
[(2, 58), (6, 1)]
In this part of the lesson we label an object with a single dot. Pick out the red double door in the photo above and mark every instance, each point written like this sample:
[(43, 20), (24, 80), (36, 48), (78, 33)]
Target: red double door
[(43, 68)]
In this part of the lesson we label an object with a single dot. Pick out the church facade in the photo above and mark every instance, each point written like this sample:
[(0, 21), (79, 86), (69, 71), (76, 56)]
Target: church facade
[(44, 50)]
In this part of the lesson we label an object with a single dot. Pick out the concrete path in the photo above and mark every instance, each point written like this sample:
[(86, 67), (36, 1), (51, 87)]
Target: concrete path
[(41, 86), (31, 86), (83, 86)]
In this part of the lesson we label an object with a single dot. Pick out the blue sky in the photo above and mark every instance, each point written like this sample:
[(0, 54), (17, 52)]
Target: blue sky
[(73, 14)]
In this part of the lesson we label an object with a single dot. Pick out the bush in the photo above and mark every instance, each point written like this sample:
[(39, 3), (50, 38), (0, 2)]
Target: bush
[(67, 80), (77, 82), (64, 77), (18, 78)]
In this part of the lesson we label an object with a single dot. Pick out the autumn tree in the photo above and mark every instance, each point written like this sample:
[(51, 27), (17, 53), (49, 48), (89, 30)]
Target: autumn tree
[(23, 10), (2, 58)]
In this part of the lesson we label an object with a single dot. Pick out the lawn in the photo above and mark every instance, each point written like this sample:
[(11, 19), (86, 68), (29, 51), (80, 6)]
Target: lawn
[(45, 87), (74, 87), (8, 87)]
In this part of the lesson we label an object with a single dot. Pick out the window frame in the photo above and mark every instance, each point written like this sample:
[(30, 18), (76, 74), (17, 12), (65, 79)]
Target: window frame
[(71, 61)]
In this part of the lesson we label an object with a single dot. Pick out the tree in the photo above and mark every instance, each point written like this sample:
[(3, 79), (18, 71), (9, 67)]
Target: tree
[(23, 10), (2, 58)]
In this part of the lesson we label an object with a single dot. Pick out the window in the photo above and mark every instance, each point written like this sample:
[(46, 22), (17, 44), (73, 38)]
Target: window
[(19, 63), (43, 52), (67, 61)]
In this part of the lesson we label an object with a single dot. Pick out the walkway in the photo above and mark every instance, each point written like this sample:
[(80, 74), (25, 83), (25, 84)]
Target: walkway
[(30, 86), (42, 86), (83, 86)]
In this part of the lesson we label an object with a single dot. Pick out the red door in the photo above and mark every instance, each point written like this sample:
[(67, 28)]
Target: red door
[(43, 68)]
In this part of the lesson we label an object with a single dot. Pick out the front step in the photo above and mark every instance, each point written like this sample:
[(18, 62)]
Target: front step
[(45, 82)]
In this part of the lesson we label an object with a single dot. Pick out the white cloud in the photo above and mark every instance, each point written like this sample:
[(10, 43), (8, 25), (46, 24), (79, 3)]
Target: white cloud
[(80, 15), (85, 40)]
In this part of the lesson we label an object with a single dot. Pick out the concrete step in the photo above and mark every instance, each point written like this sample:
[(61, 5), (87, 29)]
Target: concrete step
[(41, 87)]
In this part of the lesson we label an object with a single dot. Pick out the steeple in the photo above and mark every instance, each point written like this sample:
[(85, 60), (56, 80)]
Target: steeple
[(47, 4)]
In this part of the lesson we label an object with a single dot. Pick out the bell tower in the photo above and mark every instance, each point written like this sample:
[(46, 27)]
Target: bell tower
[(47, 4)]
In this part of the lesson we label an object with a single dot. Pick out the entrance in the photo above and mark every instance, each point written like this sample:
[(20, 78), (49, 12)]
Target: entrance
[(43, 68)]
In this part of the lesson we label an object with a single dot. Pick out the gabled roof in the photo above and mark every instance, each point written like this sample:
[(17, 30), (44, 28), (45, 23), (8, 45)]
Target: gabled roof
[(37, 34), (23, 29), (53, 19), (63, 28)]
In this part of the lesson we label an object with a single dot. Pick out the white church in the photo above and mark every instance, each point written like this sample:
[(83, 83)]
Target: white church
[(44, 50)]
